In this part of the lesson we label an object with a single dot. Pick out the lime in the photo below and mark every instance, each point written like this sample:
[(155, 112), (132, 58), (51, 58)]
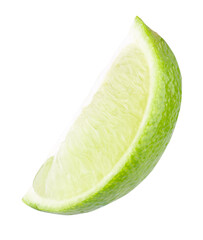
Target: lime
[(119, 137)]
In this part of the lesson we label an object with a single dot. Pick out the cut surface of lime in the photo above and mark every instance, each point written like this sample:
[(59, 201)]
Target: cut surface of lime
[(118, 138)]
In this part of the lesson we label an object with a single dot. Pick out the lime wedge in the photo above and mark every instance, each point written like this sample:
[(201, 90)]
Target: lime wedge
[(119, 137)]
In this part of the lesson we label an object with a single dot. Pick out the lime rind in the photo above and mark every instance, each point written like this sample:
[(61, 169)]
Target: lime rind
[(150, 141)]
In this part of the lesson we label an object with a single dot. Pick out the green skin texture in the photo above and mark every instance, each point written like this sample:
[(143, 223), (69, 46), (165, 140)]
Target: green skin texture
[(155, 135)]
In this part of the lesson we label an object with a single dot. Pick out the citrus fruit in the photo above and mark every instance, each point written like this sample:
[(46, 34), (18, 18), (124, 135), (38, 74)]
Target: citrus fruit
[(119, 137)]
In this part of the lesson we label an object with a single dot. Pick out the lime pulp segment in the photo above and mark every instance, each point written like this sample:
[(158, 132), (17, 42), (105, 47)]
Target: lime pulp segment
[(102, 133)]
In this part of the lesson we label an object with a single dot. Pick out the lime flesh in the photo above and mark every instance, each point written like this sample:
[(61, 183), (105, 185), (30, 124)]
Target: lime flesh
[(119, 137)]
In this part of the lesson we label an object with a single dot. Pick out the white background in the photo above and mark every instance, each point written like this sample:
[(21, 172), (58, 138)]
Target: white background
[(51, 52)]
